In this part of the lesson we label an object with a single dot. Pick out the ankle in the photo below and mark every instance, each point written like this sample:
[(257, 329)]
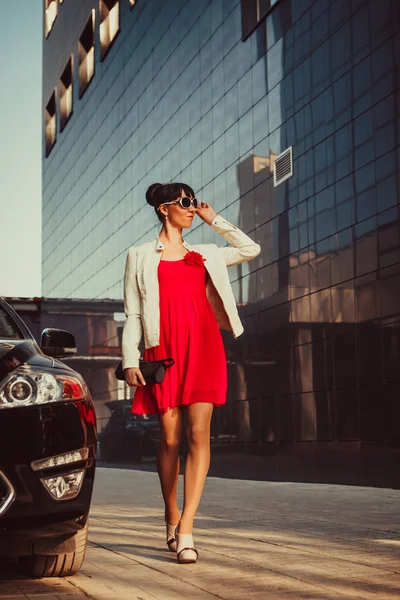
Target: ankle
[(185, 525), (172, 515)]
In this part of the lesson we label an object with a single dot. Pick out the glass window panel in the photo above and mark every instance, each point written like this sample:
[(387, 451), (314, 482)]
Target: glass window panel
[(249, 16), (109, 24), (51, 9), (86, 55), (50, 123)]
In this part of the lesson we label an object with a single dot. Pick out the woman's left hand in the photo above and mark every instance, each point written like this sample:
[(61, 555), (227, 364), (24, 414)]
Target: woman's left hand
[(206, 213)]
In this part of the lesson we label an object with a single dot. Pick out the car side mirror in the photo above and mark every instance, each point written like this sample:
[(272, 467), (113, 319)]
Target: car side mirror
[(57, 342)]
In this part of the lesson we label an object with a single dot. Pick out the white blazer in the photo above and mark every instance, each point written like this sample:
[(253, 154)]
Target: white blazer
[(141, 291)]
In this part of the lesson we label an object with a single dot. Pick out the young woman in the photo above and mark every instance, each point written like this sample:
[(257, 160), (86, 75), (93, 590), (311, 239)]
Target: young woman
[(179, 296)]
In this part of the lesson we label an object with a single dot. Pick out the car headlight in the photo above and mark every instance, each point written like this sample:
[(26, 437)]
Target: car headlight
[(60, 459), (27, 386), (64, 487)]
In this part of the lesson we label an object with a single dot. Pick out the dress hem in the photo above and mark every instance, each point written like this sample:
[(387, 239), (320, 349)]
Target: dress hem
[(168, 408)]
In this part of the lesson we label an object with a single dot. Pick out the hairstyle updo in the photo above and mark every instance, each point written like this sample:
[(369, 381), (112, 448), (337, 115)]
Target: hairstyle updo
[(159, 193)]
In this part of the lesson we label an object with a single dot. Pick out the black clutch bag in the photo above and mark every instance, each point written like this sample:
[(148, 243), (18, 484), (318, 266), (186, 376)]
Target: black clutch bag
[(153, 371)]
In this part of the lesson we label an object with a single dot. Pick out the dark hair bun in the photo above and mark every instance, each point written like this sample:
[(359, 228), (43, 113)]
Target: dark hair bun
[(153, 194)]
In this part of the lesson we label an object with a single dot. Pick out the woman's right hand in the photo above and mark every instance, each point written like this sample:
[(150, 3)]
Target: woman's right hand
[(134, 377)]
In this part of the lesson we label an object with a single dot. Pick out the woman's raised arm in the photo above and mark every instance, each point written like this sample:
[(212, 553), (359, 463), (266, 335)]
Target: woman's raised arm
[(242, 247)]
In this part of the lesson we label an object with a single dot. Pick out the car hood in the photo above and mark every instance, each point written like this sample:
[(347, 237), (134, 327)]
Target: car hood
[(14, 353)]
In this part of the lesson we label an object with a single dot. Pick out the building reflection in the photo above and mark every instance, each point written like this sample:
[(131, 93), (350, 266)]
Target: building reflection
[(314, 380)]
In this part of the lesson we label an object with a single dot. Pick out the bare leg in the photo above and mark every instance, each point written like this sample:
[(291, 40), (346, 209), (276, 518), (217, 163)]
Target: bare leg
[(198, 460), (171, 424)]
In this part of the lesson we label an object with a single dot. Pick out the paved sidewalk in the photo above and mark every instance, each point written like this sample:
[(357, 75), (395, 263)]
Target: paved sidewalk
[(257, 541)]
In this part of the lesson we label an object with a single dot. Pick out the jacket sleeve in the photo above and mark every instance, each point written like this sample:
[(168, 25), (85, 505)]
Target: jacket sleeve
[(132, 332), (241, 248)]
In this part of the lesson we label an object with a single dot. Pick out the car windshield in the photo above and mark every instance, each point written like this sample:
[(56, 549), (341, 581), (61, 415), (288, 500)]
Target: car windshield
[(8, 329)]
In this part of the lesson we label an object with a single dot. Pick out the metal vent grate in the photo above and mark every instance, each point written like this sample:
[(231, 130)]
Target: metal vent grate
[(7, 493), (283, 166)]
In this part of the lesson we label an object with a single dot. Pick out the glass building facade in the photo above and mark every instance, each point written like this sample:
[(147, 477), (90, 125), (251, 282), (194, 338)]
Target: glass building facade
[(210, 93)]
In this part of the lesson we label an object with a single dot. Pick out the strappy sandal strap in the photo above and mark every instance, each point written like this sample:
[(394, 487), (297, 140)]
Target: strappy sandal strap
[(188, 548), (170, 542)]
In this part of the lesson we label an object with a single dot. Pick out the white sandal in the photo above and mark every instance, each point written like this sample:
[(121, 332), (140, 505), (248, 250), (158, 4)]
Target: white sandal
[(185, 551), (171, 535)]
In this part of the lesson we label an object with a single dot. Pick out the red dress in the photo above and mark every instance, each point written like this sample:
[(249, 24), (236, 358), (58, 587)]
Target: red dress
[(189, 334)]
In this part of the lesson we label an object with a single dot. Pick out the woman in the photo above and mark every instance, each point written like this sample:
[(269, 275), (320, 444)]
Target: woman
[(180, 295)]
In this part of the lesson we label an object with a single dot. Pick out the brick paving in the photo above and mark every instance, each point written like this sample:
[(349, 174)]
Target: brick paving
[(257, 541)]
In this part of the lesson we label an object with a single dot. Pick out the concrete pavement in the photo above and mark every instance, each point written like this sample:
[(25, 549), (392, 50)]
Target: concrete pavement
[(257, 541)]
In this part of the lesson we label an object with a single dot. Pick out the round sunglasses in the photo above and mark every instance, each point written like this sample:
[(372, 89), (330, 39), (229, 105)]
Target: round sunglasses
[(185, 202)]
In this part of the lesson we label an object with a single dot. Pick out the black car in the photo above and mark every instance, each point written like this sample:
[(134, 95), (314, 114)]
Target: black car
[(47, 450)]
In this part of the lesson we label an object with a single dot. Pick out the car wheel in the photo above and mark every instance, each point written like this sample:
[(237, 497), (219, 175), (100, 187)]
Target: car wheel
[(57, 565)]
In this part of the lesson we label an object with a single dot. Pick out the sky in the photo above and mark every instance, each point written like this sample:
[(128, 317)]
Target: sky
[(20, 147)]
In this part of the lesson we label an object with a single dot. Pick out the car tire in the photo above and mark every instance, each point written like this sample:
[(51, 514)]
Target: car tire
[(57, 565)]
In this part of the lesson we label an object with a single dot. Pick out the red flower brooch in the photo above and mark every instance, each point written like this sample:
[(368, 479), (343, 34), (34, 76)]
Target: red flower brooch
[(194, 259)]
